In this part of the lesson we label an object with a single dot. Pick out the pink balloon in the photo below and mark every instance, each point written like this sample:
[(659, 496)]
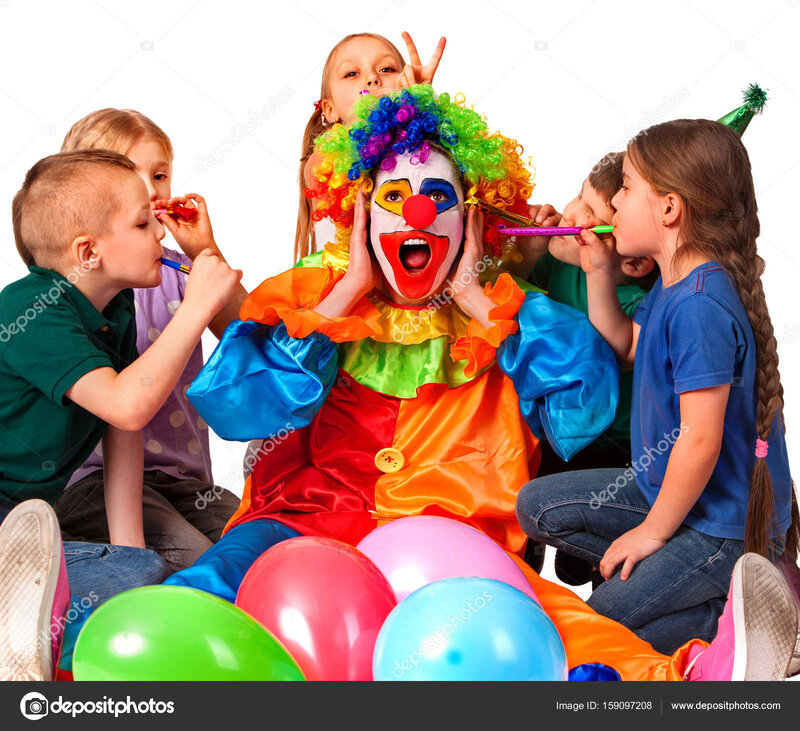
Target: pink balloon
[(324, 600), (416, 551)]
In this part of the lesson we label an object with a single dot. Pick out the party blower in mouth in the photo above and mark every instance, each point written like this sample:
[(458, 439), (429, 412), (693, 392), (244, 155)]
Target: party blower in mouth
[(178, 211), (553, 231), (175, 265)]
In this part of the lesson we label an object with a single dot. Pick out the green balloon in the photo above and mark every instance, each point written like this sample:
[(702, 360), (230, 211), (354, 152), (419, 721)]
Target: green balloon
[(177, 633)]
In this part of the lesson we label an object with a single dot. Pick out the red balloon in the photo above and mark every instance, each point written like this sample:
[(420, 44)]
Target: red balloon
[(324, 600), (419, 211)]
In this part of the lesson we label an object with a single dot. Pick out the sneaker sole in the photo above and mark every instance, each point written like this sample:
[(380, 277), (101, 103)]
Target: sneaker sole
[(30, 559), (766, 616), (791, 573)]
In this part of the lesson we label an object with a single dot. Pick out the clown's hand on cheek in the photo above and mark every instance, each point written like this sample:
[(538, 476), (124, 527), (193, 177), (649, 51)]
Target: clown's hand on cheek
[(469, 294), (362, 275)]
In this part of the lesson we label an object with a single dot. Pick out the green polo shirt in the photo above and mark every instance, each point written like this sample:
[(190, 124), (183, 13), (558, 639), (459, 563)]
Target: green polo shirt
[(50, 336), (566, 284)]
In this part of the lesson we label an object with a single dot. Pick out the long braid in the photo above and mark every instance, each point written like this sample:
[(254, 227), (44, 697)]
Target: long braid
[(746, 272)]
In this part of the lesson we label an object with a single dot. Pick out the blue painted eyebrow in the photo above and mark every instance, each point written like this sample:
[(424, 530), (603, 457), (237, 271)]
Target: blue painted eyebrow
[(439, 185)]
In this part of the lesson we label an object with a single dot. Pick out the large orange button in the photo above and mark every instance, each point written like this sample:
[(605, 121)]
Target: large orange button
[(389, 460)]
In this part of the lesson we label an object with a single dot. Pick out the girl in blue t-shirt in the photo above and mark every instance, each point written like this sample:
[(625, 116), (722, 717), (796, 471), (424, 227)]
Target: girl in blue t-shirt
[(709, 477)]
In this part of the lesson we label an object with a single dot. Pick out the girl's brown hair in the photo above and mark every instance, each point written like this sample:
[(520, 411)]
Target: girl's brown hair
[(114, 129), (707, 166), (304, 241)]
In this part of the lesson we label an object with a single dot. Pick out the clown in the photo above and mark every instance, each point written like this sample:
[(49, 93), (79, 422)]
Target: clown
[(386, 382)]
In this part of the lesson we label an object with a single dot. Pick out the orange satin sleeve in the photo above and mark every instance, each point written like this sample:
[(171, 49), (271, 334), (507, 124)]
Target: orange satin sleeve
[(479, 345), (291, 297), (590, 637)]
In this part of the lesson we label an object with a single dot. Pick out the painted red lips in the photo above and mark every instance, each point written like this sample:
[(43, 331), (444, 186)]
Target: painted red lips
[(415, 258)]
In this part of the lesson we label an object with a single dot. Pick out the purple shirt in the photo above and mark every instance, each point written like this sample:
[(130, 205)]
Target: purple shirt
[(176, 439)]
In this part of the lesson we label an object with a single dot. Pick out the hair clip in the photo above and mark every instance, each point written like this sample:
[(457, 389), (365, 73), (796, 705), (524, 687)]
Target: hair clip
[(318, 104)]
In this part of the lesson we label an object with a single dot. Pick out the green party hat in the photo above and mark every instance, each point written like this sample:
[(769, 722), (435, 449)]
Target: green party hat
[(754, 99)]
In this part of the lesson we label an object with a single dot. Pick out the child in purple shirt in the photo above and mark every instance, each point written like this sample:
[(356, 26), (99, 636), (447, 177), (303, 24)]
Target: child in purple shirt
[(184, 512)]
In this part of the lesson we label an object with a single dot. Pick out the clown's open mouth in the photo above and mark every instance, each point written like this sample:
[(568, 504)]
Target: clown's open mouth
[(414, 251), (414, 254), (415, 258)]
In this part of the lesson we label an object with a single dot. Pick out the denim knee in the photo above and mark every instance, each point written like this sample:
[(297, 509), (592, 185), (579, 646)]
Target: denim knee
[(532, 500), (153, 569)]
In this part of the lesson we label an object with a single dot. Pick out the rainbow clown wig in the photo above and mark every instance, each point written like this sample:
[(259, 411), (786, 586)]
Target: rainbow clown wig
[(413, 120)]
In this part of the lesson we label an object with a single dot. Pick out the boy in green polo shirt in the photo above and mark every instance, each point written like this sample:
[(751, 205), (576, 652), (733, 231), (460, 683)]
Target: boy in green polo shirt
[(556, 269), (70, 376)]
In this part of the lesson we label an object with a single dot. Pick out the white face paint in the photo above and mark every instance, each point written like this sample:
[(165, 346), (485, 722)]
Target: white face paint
[(415, 256)]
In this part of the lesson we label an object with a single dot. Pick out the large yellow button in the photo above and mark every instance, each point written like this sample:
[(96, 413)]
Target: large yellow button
[(389, 460)]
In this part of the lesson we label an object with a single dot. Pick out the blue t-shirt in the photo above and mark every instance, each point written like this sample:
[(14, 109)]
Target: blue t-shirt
[(696, 334)]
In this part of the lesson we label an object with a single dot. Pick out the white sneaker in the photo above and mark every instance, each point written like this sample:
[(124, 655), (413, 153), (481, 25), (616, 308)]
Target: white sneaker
[(30, 560), (794, 665), (757, 632), (791, 573)]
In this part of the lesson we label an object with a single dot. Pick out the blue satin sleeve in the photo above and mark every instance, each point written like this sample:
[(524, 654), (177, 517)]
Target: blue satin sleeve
[(565, 374), (260, 380)]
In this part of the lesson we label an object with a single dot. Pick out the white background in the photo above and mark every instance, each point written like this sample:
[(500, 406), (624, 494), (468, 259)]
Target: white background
[(570, 80)]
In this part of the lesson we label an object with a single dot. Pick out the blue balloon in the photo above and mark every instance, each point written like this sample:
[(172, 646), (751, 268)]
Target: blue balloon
[(469, 629)]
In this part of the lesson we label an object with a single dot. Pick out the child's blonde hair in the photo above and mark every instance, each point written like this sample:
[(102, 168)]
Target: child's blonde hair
[(706, 164), (114, 129), (304, 241)]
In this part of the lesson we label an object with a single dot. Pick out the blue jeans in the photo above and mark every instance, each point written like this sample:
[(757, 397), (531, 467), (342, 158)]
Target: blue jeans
[(97, 572), (222, 567), (672, 596)]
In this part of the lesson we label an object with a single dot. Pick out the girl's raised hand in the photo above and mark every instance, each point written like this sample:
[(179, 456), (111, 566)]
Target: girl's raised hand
[(598, 255), (363, 273), (195, 235), (415, 72)]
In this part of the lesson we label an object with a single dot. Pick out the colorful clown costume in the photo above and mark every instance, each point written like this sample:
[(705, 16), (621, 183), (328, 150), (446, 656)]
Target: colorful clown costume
[(396, 411)]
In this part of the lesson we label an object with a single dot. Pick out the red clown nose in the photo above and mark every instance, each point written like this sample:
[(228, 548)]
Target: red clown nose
[(419, 211)]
